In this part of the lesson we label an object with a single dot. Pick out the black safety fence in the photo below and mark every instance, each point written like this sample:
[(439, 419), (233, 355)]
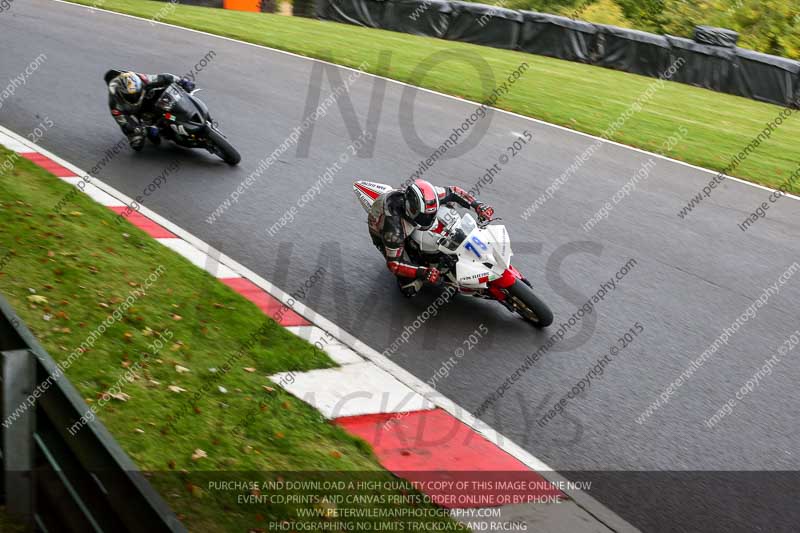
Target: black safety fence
[(368, 13), (55, 480), (765, 77), (711, 60), (710, 67), (716, 36), (560, 37), (409, 16), (486, 25), (633, 51)]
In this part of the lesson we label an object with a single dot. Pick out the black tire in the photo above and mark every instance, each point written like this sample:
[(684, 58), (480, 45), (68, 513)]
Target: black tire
[(529, 306), (221, 147)]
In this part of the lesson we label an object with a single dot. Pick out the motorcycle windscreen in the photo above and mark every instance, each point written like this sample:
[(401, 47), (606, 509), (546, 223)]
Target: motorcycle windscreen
[(501, 244), (477, 263), (175, 101)]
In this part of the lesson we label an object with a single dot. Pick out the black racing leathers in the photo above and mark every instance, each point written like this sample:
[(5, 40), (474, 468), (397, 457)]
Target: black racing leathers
[(129, 115)]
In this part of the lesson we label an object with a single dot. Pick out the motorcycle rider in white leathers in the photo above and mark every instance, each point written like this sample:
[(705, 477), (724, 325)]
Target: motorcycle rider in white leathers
[(396, 214)]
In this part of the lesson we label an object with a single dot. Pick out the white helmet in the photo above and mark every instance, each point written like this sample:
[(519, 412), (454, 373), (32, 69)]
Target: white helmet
[(421, 204)]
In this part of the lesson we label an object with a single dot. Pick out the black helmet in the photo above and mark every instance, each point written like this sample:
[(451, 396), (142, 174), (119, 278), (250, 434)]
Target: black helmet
[(130, 87), (421, 203)]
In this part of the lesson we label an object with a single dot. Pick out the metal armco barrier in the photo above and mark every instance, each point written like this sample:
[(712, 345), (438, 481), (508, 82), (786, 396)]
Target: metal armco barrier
[(55, 481)]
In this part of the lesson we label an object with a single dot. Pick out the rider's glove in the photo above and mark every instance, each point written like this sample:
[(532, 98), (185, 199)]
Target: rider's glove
[(485, 212), (187, 84), (430, 275)]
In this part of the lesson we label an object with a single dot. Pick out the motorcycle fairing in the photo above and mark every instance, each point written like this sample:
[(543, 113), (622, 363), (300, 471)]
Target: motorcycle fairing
[(187, 115), (501, 244), (477, 268), (509, 277), (474, 275), (427, 241), (368, 191)]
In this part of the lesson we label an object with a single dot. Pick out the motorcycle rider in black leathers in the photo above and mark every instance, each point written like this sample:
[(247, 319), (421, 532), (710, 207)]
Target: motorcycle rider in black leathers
[(132, 97), (396, 214)]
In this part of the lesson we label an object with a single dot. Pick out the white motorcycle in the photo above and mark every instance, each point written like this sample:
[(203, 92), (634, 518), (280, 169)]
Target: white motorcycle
[(474, 258)]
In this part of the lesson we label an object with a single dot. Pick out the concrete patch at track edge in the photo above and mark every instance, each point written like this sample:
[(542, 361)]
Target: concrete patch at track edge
[(584, 503)]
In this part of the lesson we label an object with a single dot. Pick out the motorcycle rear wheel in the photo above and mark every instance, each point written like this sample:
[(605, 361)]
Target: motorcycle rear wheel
[(222, 148), (528, 305)]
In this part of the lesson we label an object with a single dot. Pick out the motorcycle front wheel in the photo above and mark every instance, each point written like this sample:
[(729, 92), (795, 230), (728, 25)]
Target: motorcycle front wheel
[(528, 305), (220, 146)]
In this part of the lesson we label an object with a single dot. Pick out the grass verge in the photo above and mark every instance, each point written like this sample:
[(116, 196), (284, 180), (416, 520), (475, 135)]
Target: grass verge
[(66, 272), (578, 96), (9, 524)]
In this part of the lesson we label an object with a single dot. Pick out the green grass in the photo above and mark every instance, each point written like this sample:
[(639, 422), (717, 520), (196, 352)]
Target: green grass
[(574, 95), (65, 272), (9, 524)]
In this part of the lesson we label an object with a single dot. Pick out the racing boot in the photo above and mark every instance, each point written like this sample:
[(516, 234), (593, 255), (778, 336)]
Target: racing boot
[(409, 286)]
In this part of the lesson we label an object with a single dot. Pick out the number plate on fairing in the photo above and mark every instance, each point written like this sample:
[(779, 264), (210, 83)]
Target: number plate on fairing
[(484, 256)]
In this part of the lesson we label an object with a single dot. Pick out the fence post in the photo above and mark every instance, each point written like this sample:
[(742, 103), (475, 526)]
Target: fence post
[(18, 380)]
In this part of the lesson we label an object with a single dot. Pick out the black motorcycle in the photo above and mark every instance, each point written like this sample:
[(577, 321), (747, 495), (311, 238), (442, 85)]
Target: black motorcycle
[(184, 119)]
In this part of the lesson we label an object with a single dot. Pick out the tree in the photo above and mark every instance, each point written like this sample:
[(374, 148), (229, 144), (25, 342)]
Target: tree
[(605, 12), (769, 26), (643, 13)]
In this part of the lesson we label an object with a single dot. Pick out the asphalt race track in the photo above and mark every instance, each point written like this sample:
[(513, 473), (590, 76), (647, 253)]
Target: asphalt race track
[(690, 280)]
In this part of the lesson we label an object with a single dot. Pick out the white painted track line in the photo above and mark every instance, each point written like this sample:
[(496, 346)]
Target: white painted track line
[(350, 390), (336, 350), (13, 144)]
